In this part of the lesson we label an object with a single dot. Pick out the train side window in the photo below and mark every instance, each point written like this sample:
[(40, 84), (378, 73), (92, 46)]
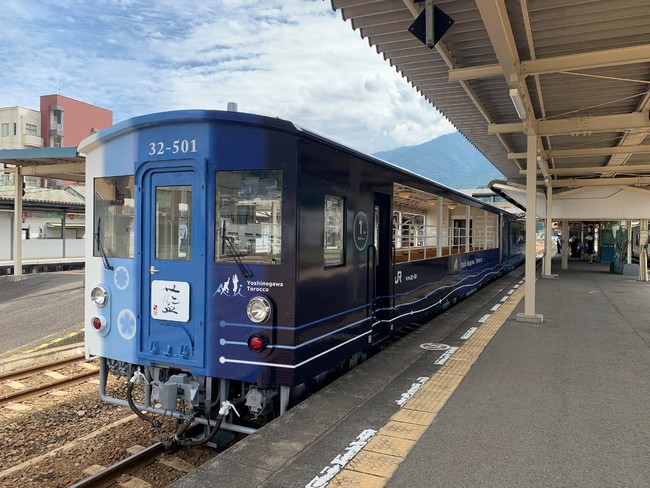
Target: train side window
[(333, 246), (113, 216), (249, 216)]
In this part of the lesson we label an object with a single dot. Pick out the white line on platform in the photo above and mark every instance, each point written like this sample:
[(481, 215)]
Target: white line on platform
[(496, 307), (484, 318), (446, 355), (469, 333), (340, 461), (411, 391)]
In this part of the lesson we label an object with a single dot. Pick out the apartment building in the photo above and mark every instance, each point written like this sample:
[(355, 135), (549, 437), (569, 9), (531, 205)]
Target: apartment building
[(61, 122)]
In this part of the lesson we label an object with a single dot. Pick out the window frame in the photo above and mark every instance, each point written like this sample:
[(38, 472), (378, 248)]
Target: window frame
[(110, 251), (237, 219)]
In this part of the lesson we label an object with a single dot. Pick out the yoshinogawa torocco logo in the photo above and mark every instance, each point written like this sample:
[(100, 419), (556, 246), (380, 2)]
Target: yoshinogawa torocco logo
[(234, 286), (231, 287)]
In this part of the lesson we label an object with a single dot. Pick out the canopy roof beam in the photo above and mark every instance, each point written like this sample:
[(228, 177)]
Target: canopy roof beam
[(578, 126), (556, 64)]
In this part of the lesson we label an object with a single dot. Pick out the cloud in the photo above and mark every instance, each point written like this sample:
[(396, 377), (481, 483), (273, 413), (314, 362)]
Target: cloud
[(292, 59)]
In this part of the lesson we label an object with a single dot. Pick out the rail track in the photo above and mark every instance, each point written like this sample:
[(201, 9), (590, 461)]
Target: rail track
[(118, 471), (25, 392)]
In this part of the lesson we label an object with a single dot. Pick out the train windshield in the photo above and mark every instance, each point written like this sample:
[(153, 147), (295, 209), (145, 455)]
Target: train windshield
[(249, 216), (113, 216)]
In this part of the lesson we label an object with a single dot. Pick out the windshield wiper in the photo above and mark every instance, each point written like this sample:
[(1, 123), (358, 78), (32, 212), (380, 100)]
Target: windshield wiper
[(228, 243), (100, 247)]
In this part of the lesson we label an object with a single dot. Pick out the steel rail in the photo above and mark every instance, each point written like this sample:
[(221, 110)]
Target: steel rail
[(108, 476), (23, 373), (42, 389)]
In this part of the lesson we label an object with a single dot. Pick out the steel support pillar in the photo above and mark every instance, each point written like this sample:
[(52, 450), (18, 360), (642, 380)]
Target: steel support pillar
[(531, 253)]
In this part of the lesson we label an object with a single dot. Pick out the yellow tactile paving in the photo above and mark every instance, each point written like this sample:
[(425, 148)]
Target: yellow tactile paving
[(349, 478), (457, 367), (481, 340), (393, 446), (467, 353), (374, 463), (418, 417), (378, 460), (403, 430), (440, 382), (426, 404)]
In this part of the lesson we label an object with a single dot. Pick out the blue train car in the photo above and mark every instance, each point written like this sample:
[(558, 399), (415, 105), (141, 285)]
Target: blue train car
[(239, 258)]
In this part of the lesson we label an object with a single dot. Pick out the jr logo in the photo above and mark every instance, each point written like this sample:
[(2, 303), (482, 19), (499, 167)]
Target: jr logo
[(398, 277)]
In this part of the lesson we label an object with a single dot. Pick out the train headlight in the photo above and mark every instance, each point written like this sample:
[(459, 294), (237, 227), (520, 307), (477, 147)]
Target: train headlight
[(99, 296), (259, 310)]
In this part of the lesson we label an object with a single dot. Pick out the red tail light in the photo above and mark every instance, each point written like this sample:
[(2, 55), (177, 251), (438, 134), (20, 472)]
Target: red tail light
[(256, 343)]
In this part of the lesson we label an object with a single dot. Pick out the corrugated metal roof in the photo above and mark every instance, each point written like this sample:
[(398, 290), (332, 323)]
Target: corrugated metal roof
[(63, 163), (43, 195), (582, 68)]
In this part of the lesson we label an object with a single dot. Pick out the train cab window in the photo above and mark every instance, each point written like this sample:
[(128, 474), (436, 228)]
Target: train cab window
[(249, 216), (333, 247), (113, 217)]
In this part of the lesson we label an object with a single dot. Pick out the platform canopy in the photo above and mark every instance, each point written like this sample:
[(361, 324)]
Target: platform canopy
[(555, 93), (61, 163), (574, 73)]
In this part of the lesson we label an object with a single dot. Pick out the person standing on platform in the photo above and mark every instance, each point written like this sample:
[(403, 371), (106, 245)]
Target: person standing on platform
[(589, 240)]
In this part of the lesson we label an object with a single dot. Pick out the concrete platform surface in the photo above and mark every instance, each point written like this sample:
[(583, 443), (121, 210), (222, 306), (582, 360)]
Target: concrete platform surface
[(561, 403)]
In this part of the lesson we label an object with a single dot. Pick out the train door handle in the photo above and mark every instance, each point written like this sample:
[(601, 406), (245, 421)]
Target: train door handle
[(153, 270)]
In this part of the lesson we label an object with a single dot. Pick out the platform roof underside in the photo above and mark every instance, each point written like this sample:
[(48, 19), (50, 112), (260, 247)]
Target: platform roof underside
[(581, 68)]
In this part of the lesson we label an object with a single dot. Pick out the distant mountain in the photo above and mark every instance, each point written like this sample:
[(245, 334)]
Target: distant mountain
[(449, 159)]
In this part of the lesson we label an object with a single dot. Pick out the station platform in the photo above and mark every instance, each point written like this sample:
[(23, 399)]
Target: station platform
[(32, 265), (561, 403)]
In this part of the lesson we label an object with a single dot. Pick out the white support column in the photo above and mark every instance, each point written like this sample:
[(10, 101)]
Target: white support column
[(548, 244), (565, 244), (441, 206), (18, 222), (531, 205), (643, 251), (485, 229), (628, 226), (468, 218)]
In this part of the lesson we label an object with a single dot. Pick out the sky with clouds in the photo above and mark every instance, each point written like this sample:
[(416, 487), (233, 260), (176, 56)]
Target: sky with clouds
[(293, 59)]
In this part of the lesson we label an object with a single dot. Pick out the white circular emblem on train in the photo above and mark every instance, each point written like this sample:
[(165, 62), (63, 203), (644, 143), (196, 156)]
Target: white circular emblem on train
[(126, 324), (361, 231), (121, 278)]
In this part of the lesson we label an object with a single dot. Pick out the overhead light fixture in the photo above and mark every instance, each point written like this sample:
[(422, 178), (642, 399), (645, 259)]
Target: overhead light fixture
[(452, 205), (518, 103), (405, 194), (432, 201)]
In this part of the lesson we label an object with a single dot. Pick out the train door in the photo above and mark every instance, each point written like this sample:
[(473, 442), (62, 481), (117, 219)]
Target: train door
[(172, 249), (383, 236)]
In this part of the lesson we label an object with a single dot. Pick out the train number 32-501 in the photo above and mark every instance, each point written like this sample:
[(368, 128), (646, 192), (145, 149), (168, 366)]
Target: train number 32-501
[(179, 146)]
